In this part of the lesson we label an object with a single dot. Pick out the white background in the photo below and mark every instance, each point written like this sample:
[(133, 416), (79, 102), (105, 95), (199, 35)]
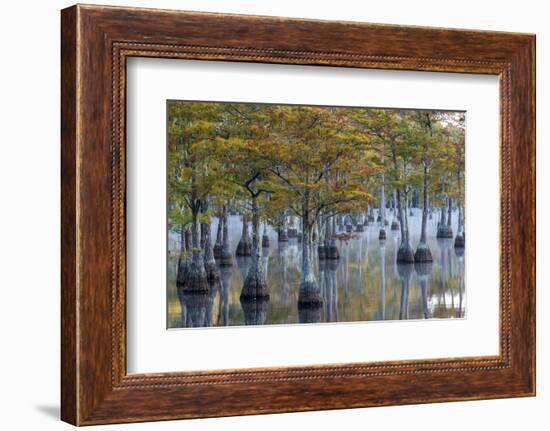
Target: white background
[(29, 220), (151, 348)]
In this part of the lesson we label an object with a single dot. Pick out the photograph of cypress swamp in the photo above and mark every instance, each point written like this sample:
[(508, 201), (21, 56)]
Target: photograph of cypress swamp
[(289, 214)]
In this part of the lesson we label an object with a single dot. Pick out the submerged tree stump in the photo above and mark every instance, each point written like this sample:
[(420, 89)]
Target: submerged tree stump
[(405, 254), (217, 250), (460, 241), (309, 314), (244, 248), (423, 253), (254, 289), (225, 259), (212, 271), (196, 279), (183, 268), (444, 231), (332, 252), (255, 285), (310, 295)]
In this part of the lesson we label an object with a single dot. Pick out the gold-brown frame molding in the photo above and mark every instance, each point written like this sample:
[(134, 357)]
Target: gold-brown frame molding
[(96, 41)]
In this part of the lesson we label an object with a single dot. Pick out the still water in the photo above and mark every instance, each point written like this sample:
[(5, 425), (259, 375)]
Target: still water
[(365, 284)]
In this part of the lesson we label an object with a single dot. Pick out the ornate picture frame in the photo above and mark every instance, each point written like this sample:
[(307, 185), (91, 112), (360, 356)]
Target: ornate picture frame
[(96, 41)]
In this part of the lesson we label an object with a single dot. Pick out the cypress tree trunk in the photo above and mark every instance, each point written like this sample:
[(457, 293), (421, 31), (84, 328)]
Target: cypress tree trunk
[(219, 232), (244, 247), (309, 314), (360, 222), (332, 249), (265, 263), (405, 253), (450, 215), (310, 294), (282, 233), (188, 242), (394, 223), (265, 237), (405, 272), (459, 240), (292, 231), (182, 245), (226, 259), (255, 285), (348, 222), (444, 229), (382, 281), (406, 219), (183, 260), (423, 253), (212, 271), (382, 233), (323, 240), (196, 276), (203, 237)]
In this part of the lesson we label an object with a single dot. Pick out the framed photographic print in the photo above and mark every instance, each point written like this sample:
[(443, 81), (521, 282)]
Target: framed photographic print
[(267, 215)]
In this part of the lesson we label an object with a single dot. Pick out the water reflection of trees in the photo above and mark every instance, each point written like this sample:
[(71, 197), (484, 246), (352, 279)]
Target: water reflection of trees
[(423, 271), (327, 271), (311, 314), (283, 255), (355, 287), (225, 283), (255, 310), (382, 312), (448, 296), (197, 308), (444, 262), (405, 271), (459, 251)]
